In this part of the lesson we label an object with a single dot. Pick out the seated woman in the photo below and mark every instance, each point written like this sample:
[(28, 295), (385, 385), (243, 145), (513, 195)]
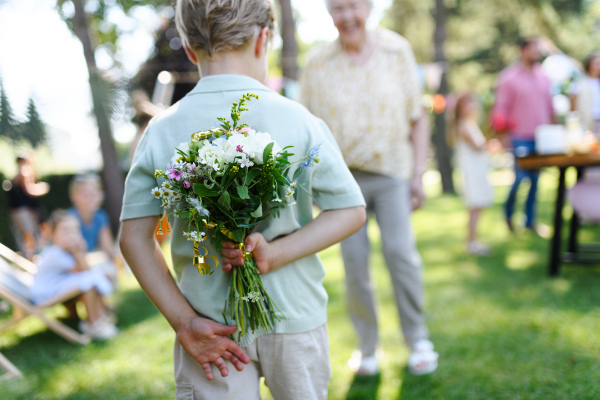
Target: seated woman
[(62, 267)]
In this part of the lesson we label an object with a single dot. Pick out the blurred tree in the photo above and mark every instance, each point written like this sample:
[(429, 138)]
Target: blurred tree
[(93, 28), (443, 154), (33, 130), (289, 49), (8, 125), (112, 175)]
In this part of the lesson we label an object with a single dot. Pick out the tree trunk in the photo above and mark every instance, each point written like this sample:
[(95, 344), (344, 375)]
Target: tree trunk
[(112, 175), (443, 153), (289, 49)]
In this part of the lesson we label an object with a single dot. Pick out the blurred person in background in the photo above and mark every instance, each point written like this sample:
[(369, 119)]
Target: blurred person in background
[(365, 86), (473, 160), (585, 99), (26, 213), (523, 102), (585, 95), (85, 192), (63, 267)]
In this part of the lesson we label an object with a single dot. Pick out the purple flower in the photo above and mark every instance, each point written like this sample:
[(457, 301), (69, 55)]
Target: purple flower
[(310, 159), (239, 148), (174, 174), (186, 184), (191, 168)]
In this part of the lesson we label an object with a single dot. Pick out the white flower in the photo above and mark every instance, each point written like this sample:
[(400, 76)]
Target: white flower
[(252, 296), (157, 192), (198, 206), (212, 155), (245, 161), (195, 236)]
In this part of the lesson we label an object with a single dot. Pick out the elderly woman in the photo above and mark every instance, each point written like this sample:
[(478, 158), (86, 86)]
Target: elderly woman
[(366, 88)]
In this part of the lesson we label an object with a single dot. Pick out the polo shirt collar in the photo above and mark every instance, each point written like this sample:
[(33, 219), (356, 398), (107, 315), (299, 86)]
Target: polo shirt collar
[(227, 82)]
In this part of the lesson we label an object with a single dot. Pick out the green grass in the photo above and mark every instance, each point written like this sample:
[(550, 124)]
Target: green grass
[(504, 330)]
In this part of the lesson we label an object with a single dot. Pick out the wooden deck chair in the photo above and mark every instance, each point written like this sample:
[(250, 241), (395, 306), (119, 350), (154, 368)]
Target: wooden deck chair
[(11, 370), (16, 277)]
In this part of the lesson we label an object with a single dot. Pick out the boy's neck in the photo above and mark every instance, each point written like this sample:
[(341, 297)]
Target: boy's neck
[(233, 62)]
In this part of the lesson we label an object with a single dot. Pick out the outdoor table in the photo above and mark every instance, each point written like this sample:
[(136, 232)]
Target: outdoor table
[(562, 161)]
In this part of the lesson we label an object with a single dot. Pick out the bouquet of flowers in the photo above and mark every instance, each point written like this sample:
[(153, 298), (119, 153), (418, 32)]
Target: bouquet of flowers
[(229, 179)]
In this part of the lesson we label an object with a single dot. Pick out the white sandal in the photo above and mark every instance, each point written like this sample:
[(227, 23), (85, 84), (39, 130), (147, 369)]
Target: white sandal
[(423, 360), (366, 366)]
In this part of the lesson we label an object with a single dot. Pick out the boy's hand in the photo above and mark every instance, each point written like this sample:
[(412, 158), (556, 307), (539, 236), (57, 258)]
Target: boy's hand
[(256, 244), (207, 342)]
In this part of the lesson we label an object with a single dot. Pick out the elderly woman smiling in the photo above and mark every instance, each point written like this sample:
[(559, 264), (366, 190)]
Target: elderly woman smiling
[(365, 86)]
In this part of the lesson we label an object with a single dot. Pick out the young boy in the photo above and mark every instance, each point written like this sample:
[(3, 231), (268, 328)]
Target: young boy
[(228, 41)]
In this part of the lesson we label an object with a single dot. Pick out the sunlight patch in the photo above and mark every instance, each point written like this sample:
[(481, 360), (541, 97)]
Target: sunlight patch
[(521, 259)]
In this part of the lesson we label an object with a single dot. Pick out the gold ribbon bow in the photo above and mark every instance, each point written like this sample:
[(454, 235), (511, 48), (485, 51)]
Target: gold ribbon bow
[(200, 261)]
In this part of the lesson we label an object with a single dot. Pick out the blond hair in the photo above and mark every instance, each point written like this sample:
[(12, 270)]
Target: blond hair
[(212, 26), (57, 216), (78, 180)]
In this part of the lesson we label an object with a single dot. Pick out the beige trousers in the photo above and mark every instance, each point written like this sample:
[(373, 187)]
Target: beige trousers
[(295, 367), (389, 200)]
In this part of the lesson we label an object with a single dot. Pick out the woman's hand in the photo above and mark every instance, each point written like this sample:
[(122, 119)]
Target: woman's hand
[(255, 244), (417, 193)]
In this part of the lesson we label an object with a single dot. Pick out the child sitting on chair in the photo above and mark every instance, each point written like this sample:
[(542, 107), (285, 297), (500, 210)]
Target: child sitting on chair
[(62, 267), (85, 192)]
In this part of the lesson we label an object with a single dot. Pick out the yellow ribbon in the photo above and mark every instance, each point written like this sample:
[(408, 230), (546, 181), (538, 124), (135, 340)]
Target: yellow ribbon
[(200, 261), (247, 255)]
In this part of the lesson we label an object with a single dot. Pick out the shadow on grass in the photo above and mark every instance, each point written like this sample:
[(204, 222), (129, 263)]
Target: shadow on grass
[(364, 387)]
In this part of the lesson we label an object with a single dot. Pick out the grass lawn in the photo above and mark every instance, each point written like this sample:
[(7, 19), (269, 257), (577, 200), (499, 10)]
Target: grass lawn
[(504, 330)]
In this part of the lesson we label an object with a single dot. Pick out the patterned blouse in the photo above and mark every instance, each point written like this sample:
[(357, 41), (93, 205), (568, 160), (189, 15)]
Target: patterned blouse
[(369, 108)]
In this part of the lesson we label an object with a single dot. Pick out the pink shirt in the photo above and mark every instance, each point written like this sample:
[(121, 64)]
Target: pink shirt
[(523, 101)]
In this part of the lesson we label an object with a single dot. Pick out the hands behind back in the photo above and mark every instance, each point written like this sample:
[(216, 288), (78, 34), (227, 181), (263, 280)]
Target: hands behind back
[(207, 342), (257, 245)]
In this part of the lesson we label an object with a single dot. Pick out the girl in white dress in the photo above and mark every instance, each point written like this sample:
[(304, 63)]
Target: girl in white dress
[(62, 267), (473, 160)]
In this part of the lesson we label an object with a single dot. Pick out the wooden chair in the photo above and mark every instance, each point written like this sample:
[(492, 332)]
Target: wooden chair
[(16, 277)]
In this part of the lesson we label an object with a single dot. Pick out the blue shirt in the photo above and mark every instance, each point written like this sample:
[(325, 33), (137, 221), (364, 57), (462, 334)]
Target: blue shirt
[(91, 231)]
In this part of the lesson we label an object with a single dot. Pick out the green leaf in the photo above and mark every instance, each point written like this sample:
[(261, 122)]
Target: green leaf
[(297, 173), (267, 152), (243, 192), (224, 201), (252, 174), (258, 212), (278, 176), (202, 191)]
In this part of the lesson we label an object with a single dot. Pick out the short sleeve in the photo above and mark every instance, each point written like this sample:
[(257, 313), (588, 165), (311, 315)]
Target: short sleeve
[(412, 84), (138, 201), (333, 186)]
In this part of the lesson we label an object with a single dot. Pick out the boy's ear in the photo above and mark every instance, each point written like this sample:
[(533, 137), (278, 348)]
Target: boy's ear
[(190, 54), (261, 42)]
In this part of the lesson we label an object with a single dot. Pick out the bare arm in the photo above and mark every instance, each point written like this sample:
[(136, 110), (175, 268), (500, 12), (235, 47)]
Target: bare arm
[(464, 135), (106, 242), (419, 137), (327, 229), (205, 340)]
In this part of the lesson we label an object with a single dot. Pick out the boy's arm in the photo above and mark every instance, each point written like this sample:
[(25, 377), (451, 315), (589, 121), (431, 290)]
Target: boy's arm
[(327, 229), (205, 340)]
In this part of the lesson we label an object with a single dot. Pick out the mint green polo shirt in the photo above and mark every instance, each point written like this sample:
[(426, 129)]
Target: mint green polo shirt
[(296, 288)]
